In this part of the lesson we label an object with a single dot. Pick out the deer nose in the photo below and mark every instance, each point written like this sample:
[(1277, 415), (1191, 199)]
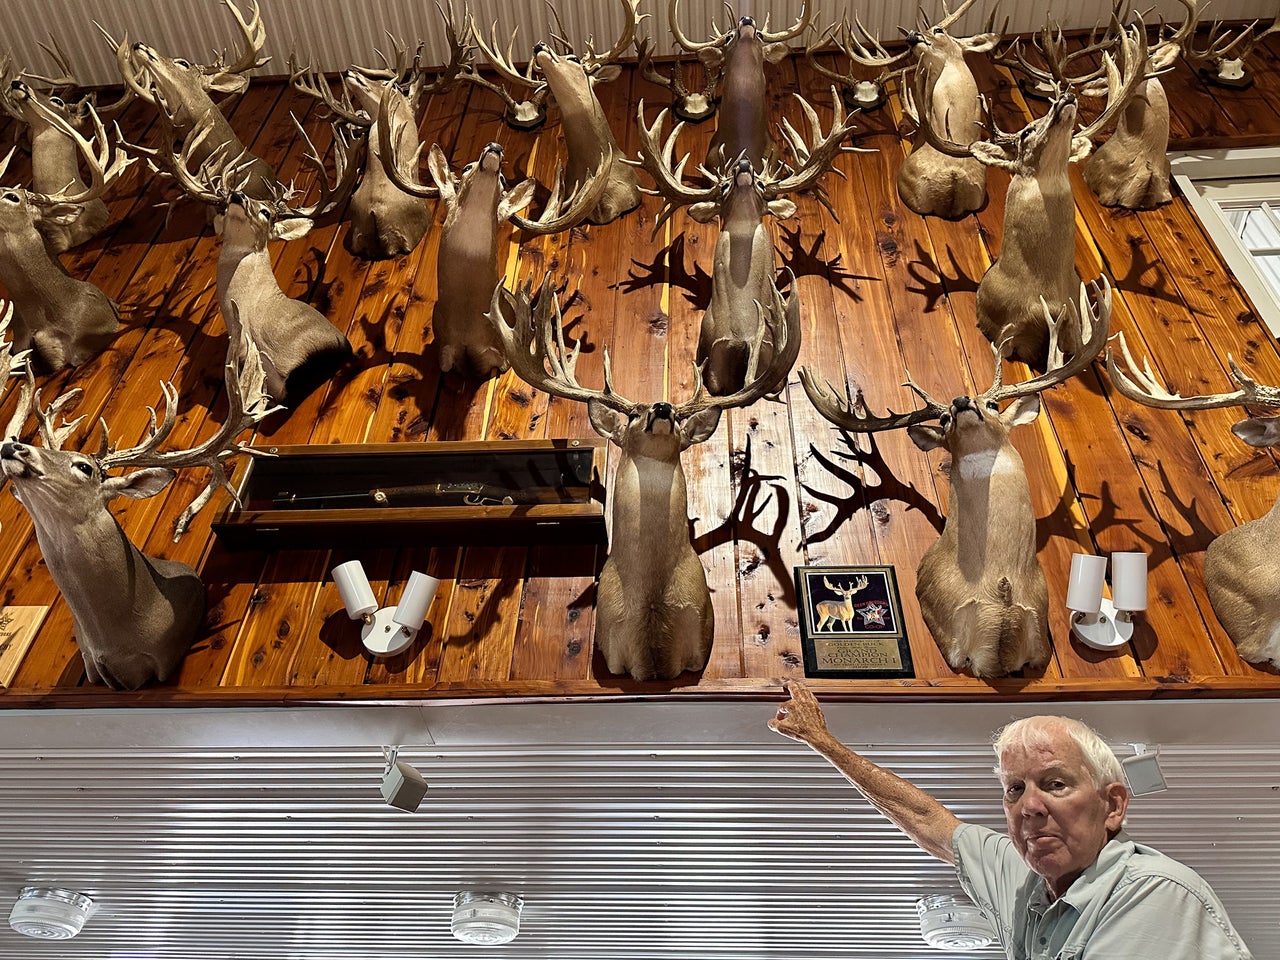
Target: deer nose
[(539, 47), (913, 38), (236, 197), (10, 449), (962, 403), (661, 411), (747, 22), (493, 147)]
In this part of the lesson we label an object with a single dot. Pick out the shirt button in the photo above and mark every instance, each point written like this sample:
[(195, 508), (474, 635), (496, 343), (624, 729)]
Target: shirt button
[(1043, 941)]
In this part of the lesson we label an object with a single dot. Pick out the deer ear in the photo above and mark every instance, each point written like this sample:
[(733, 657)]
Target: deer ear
[(219, 220), (1081, 147), (605, 74), (291, 228), (699, 427), (438, 165), (61, 213), (137, 485), (1023, 410), (704, 212), (517, 198), (926, 436), (1258, 431), (605, 421), (979, 44), (227, 83), (712, 57), (776, 52), (782, 208), (990, 154)]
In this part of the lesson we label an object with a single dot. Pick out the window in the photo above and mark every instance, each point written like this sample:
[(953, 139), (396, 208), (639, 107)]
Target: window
[(1236, 195)]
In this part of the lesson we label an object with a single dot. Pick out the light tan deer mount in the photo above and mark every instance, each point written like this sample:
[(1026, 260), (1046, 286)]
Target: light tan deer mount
[(386, 221), (182, 92), (931, 183), (63, 320), (735, 58), (653, 610), (980, 587), (744, 269), (467, 268), (570, 79), (135, 616), (1037, 249), (838, 614), (299, 347), (1131, 169), (1241, 574), (55, 158)]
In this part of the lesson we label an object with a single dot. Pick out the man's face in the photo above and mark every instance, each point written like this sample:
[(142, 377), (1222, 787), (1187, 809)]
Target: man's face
[(1059, 820)]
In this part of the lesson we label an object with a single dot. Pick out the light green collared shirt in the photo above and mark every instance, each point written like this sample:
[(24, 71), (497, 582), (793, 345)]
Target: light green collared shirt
[(1133, 903)]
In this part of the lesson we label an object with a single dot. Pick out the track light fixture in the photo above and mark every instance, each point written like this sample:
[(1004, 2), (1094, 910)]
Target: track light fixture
[(403, 787), (1143, 772), (388, 630)]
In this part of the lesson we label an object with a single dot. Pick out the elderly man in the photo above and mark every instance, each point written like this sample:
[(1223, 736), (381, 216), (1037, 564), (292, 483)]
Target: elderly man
[(1066, 883)]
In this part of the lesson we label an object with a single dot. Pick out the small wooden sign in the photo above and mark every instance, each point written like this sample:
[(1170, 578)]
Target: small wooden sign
[(851, 622), (18, 627)]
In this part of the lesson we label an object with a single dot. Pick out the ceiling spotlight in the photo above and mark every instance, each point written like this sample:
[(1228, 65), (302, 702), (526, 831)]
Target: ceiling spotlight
[(1143, 772), (950, 921), (48, 913), (403, 786), (486, 918)]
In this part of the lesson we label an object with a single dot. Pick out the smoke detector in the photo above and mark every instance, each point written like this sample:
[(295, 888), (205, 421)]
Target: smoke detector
[(952, 922), (486, 918), (48, 913)]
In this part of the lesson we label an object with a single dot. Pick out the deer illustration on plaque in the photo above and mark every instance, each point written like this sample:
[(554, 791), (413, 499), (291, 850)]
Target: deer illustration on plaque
[(980, 587)]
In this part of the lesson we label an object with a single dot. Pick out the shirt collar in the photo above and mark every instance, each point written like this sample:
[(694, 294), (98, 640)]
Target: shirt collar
[(1085, 886)]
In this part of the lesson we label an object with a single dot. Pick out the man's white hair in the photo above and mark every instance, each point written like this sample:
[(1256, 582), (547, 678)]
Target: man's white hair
[(1099, 758)]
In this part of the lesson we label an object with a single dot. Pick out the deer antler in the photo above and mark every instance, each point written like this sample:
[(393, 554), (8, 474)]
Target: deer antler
[(1096, 315), (1146, 388), (1123, 81), (309, 80), (14, 364), (673, 22), (247, 403), (844, 413), (534, 345), (557, 216), (1221, 45), (657, 161), (504, 64), (592, 61), (346, 172), (780, 322), (254, 35), (134, 85), (389, 131), (815, 156), (841, 35), (461, 53), (105, 164), (800, 26)]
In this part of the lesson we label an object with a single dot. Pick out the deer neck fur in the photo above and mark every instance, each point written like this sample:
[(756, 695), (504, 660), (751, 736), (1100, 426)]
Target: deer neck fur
[(742, 124), (989, 516), (650, 522)]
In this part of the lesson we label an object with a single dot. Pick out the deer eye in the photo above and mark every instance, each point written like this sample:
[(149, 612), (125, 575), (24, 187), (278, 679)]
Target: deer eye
[(993, 405), (938, 31), (85, 468), (265, 214), (184, 64), (57, 101), (12, 197), (944, 419), (468, 168)]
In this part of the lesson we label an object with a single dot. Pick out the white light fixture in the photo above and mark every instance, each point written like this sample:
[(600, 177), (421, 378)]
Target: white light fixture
[(50, 913), (950, 921), (1096, 621), (1143, 772), (388, 630), (486, 918), (403, 787)]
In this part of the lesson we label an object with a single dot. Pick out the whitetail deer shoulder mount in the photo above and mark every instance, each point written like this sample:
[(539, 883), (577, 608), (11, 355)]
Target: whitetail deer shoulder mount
[(653, 609), (1037, 249), (135, 616), (477, 203), (182, 92), (386, 221), (735, 58), (63, 320), (299, 347), (744, 269), (930, 182), (980, 587), (55, 158), (1240, 570), (838, 614), (570, 79)]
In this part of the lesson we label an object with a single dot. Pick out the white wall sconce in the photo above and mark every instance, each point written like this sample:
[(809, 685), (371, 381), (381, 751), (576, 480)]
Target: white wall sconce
[(1143, 772), (387, 630), (1096, 621), (403, 787)]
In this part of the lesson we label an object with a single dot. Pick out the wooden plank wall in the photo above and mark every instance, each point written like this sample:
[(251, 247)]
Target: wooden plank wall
[(882, 292)]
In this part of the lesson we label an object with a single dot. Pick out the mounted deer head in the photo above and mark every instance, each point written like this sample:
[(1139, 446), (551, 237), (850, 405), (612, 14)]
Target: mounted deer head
[(1222, 57), (386, 221), (653, 609), (182, 91), (980, 587), (1037, 250), (55, 159), (1240, 572), (63, 320), (744, 269), (135, 616), (736, 57), (570, 78), (931, 183), (299, 347)]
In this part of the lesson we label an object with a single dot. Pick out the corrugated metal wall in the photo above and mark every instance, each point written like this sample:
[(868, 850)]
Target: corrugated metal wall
[(336, 33)]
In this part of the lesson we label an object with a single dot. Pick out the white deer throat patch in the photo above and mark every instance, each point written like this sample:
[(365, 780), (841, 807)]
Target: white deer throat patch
[(985, 463)]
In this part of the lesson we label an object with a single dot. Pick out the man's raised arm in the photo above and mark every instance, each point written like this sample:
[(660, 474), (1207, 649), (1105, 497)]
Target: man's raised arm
[(914, 812)]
